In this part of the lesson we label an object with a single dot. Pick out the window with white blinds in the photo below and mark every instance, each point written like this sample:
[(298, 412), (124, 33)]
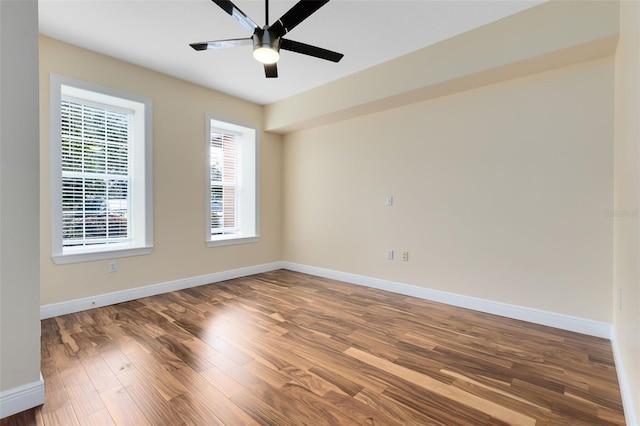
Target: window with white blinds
[(95, 143), (101, 164), (231, 206)]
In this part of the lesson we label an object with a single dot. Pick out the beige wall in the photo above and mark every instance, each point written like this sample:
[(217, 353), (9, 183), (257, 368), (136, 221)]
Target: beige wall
[(19, 233), (499, 192), (627, 197), (179, 110)]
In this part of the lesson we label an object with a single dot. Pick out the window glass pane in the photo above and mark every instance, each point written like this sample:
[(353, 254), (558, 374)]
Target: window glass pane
[(229, 206), (216, 206), (117, 143)]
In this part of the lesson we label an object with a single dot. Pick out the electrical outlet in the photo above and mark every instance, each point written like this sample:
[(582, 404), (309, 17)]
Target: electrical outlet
[(405, 256), (390, 254), (113, 266)]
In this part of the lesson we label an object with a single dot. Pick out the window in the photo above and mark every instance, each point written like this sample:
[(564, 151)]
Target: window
[(101, 172), (231, 184)]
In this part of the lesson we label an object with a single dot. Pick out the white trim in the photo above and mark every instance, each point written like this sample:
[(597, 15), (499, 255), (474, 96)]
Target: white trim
[(551, 319), (631, 417), (101, 255), (77, 305), (21, 398), (233, 241), (248, 200)]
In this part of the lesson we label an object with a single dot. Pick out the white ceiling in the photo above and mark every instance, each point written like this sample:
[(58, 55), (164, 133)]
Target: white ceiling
[(156, 34)]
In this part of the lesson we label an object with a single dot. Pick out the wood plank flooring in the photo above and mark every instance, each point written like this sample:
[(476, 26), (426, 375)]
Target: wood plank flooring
[(283, 348)]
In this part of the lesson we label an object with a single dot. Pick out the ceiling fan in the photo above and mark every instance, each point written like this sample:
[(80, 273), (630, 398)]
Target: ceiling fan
[(268, 40)]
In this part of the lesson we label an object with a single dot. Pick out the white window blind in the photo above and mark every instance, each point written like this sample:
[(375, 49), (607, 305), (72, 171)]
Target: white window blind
[(95, 173), (224, 182)]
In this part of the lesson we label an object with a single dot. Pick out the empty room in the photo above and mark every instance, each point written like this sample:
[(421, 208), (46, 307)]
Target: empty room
[(338, 212)]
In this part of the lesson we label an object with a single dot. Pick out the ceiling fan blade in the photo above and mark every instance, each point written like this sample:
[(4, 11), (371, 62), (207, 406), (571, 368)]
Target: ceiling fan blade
[(307, 49), (298, 13), (237, 14), (221, 44), (271, 70)]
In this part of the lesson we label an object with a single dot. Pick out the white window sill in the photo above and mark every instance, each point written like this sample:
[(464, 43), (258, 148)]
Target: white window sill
[(87, 256), (229, 241)]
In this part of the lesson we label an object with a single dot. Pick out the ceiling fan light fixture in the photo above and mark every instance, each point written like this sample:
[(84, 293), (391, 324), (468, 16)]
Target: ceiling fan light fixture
[(266, 55), (266, 48)]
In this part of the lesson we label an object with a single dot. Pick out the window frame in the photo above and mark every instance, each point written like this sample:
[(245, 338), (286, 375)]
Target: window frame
[(141, 175), (248, 208)]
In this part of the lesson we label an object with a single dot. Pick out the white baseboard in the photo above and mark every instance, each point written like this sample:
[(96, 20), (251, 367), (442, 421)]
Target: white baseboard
[(31, 395), (77, 305), (564, 322), (21, 398), (551, 319), (631, 417)]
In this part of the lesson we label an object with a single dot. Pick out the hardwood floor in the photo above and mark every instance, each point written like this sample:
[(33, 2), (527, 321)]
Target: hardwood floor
[(284, 348)]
